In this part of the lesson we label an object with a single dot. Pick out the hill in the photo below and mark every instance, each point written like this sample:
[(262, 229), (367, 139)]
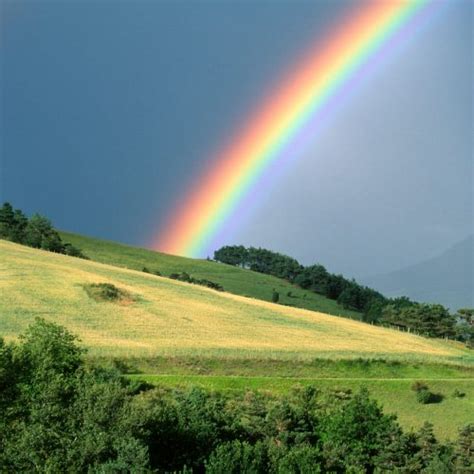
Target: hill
[(175, 334), (167, 317), (234, 279), (447, 278)]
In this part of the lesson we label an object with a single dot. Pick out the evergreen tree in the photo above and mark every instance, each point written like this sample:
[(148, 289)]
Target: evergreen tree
[(41, 234), (7, 221), (464, 450)]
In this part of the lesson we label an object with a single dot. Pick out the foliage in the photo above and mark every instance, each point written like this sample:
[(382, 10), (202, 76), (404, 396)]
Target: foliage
[(429, 320), (275, 296), (432, 320), (37, 232), (106, 292), (424, 395), (259, 260), (60, 415), (465, 326), (197, 281), (233, 278), (464, 450)]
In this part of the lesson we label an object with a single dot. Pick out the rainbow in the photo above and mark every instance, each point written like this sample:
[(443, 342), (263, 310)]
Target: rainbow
[(298, 98)]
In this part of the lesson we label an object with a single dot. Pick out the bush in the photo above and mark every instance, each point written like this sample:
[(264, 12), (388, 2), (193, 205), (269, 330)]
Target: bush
[(275, 296), (424, 395), (189, 279), (69, 249), (106, 292), (458, 394)]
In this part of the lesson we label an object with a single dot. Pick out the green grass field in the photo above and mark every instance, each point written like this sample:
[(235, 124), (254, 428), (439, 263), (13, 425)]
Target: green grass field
[(234, 280), (174, 333)]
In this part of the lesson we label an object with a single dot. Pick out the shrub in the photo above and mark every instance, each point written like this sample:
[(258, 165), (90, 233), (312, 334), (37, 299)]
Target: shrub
[(69, 249), (275, 296), (106, 292), (458, 394), (424, 397), (189, 279)]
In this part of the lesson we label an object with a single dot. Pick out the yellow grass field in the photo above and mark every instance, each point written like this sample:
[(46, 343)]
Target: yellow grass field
[(174, 318)]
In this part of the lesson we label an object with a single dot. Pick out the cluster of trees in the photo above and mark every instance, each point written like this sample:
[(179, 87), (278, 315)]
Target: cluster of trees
[(36, 231), (432, 320), (314, 278), (61, 415), (186, 277)]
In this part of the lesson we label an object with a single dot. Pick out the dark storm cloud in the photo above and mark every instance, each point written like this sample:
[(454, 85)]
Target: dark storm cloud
[(110, 110)]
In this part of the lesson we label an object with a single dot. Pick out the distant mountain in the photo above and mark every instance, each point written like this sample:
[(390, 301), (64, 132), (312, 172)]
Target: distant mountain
[(447, 279)]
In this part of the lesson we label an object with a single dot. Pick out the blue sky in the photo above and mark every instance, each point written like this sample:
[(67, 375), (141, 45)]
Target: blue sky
[(111, 109)]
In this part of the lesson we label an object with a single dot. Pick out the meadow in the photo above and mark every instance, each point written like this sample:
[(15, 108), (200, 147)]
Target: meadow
[(173, 333), (167, 317), (234, 280)]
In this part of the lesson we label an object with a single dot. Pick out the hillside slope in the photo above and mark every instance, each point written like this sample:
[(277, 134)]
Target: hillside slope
[(233, 279), (173, 318), (447, 279)]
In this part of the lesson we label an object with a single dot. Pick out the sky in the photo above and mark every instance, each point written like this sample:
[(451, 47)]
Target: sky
[(110, 110)]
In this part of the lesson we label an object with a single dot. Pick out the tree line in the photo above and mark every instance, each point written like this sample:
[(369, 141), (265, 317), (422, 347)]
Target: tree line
[(432, 320), (61, 414), (36, 231)]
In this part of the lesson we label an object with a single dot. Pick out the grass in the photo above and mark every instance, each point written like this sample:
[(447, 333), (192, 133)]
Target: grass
[(171, 318), (234, 280), (374, 368), (177, 333), (395, 395)]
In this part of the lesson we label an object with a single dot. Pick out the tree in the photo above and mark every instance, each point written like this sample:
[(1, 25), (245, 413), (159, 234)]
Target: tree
[(335, 286), (7, 220), (465, 326), (232, 255), (314, 277), (238, 457), (464, 450), (356, 433), (351, 298), (41, 234), (432, 320), (62, 417), (12, 224)]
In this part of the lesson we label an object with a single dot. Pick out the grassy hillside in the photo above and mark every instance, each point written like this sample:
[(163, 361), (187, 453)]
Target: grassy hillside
[(176, 333), (234, 280), (163, 316)]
